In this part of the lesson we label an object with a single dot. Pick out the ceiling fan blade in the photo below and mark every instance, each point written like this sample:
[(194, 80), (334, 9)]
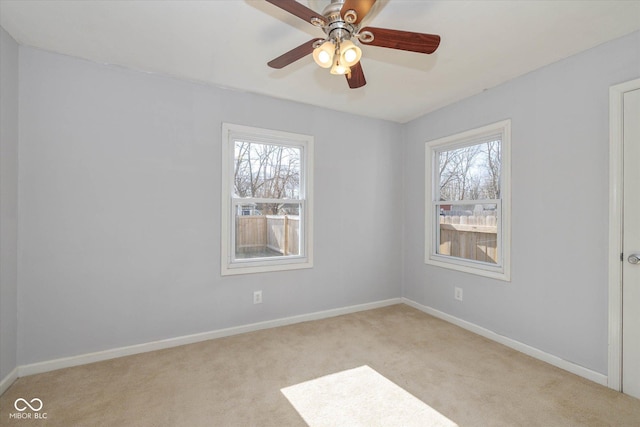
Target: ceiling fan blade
[(293, 55), (297, 9), (403, 40), (356, 77), (362, 7)]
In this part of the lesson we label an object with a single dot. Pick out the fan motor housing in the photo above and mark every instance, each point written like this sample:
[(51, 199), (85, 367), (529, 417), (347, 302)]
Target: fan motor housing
[(336, 28)]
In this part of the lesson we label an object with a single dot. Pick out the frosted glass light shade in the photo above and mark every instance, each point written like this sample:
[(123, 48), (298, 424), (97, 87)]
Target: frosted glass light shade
[(339, 68), (349, 53), (323, 54)]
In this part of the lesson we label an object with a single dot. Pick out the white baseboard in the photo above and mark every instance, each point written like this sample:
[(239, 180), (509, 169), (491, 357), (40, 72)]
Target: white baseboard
[(83, 359), (511, 343), (8, 380)]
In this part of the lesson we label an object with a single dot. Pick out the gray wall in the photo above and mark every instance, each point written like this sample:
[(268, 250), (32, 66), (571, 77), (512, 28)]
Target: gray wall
[(8, 203), (120, 209), (557, 300)]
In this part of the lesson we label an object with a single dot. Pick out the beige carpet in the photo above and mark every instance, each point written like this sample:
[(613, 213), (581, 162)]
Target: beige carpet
[(236, 381), (360, 397)]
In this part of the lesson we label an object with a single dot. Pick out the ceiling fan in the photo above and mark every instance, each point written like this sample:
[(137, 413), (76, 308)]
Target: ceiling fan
[(341, 22)]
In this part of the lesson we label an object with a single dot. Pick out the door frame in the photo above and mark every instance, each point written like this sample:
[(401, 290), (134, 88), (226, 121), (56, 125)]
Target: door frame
[(616, 108)]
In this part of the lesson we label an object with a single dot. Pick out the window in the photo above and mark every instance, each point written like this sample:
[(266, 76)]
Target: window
[(266, 200), (468, 201)]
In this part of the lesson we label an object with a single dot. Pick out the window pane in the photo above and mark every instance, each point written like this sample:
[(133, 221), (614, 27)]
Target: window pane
[(265, 230), (470, 173), (469, 231), (266, 171)]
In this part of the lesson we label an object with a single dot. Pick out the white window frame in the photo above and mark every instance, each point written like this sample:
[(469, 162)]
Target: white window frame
[(502, 270), (230, 134)]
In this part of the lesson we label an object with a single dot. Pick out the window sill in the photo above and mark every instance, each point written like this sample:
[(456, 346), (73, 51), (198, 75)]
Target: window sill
[(246, 268), (478, 269)]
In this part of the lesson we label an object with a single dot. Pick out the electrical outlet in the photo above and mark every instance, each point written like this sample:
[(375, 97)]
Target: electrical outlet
[(458, 294), (257, 297)]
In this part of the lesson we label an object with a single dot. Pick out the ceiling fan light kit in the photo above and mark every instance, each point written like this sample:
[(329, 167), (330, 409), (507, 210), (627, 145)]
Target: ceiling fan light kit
[(340, 22), (337, 55)]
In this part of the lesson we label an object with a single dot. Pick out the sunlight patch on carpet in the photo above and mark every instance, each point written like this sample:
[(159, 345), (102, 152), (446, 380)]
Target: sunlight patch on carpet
[(360, 397)]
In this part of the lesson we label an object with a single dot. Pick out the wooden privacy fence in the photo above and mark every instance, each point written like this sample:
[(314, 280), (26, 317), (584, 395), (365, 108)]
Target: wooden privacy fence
[(469, 237), (260, 233)]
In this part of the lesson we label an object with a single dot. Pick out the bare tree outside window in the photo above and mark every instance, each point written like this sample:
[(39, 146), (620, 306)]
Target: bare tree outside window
[(266, 183), (494, 164), (268, 172), (470, 173)]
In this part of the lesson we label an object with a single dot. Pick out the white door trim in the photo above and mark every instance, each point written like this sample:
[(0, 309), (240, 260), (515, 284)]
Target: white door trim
[(616, 99)]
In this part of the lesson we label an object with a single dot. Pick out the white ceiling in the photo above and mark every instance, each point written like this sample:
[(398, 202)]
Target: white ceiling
[(229, 42)]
